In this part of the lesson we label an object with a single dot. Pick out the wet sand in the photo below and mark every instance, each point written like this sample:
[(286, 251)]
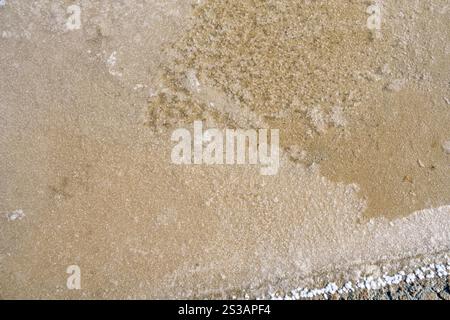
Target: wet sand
[(369, 109), (86, 118)]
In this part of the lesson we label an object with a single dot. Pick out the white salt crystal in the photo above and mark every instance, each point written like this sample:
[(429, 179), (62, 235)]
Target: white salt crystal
[(446, 146), (15, 215)]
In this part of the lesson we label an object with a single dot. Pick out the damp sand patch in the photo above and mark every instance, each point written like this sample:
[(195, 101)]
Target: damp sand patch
[(366, 108)]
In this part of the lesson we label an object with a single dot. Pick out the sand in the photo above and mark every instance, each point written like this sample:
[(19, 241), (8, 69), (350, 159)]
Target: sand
[(86, 117)]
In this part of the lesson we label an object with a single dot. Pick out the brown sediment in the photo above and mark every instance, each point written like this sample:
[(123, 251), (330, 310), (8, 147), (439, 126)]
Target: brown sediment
[(394, 155), (345, 95)]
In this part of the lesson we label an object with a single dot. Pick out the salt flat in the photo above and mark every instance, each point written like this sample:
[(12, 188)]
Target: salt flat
[(89, 103)]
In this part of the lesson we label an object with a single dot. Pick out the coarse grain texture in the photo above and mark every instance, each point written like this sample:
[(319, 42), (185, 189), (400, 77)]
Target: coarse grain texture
[(85, 125), (366, 108)]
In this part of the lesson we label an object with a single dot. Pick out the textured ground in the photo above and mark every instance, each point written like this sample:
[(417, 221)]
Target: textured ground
[(426, 290), (86, 116)]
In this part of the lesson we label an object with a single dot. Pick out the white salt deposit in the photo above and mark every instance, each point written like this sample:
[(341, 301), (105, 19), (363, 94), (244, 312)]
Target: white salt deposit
[(318, 119), (322, 120), (396, 85), (446, 146), (111, 62), (15, 215), (366, 283), (192, 82)]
